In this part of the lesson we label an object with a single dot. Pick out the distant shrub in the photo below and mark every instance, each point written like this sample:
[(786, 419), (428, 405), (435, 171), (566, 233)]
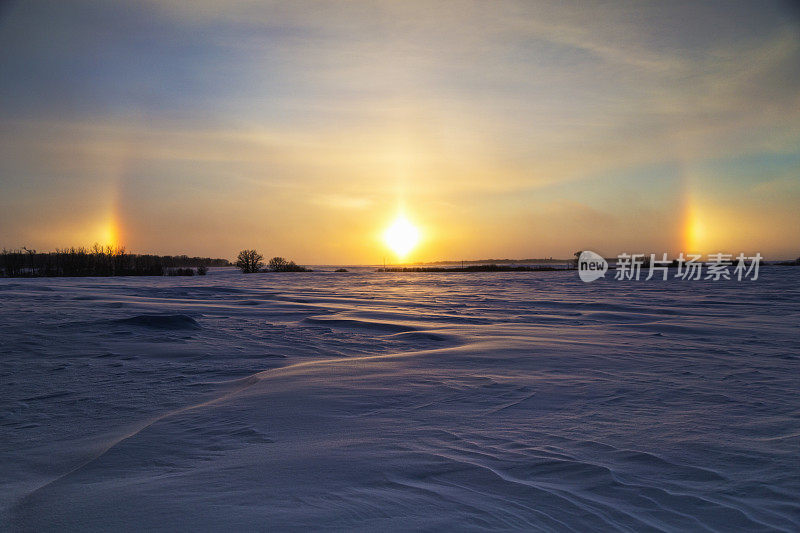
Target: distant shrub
[(341, 270), (202, 270), (279, 264), (476, 268), (249, 261), (577, 258), (180, 272)]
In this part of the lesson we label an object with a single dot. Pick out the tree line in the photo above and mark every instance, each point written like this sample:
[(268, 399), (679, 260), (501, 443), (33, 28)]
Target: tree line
[(100, 261)]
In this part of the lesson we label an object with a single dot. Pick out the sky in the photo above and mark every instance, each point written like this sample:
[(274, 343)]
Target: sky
[(497, 129)]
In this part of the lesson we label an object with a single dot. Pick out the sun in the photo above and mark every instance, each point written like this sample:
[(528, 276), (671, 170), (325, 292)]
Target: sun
[(402, 236)]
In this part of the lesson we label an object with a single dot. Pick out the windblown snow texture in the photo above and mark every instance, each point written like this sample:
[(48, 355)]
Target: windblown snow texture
[(366, 401)]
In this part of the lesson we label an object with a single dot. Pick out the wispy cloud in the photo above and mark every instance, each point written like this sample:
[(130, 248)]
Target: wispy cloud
[(348, 109)]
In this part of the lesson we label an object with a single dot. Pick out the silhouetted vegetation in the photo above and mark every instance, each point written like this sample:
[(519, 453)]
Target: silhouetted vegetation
[(544, 260), (475, 268), (249, 261), (577, 256), (96, 261), (341, 270), (180, 272), (202, 270), (279, 264)]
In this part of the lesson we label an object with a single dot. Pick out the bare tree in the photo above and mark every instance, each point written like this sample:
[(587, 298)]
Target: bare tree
[(278, 264), (249, 261)]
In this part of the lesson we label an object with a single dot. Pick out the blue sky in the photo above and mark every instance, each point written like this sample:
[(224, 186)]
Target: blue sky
[(501, 129)]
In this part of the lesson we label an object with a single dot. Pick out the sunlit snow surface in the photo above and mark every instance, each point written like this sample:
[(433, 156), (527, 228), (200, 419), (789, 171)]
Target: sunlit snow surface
[(399, 401)]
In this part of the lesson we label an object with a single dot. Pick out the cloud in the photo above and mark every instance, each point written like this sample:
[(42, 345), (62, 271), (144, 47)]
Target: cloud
[(337, 111)]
